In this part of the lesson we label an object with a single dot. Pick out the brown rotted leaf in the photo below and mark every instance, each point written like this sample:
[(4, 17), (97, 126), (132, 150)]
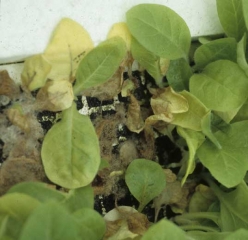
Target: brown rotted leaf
[(174, 194), (125, 223), (17, 118), (107, 90), (7, 85), (16, 170), (135, 121), (165, 102), (55, 96)]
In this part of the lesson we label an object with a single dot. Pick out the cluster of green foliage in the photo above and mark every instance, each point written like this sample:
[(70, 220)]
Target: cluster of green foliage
[(207, 103)]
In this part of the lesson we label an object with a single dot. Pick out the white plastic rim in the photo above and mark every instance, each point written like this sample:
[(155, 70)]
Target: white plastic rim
[(26, 25)]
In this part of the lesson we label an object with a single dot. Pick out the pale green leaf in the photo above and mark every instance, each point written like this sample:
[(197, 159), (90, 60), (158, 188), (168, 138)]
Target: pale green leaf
[(245, 12), (37, 190), (222, 86), (224, 48), (192, 118), (90, 223), (100, 64), (164, 230), (200, 235), (79, 198), (242, 113), (194, 140), (229, 164), (178, 74), (148, 60), (160, 30), (233, 207), (240, 234), (49, 221), (70, 150), (145, 180), (231, 17), (241, 52), (207, 129), (17, 205)]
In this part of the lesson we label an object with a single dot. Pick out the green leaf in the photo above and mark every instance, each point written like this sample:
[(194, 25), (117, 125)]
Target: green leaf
[(100, 64), (222, 86), (90, 223), (228, 164), (80, 198), (164, 32), (224, 48), (245, 12), (207, 129), (240, 234), (10, 228), (164, 229), (242, 113), (241, 58), (17, 205), (145, 180), (207, 235), (233, 207), (37, 190), (231, 18), (194, 140), (70, 150), (49, 221), (146, 59), (192, 118), (178, 74)]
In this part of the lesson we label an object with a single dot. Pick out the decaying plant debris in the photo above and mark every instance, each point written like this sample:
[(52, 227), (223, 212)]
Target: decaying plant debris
[(160, 150)]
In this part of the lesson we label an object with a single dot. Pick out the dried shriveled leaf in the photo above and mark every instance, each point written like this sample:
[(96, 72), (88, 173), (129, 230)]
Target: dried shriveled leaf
[(17, 118), (165, 103), (55, 96), (121, 30), (35, 72), (7, 85), (192, 118), (107, 90), (125, 222), (134, 122), (69, 43), (16, 170)]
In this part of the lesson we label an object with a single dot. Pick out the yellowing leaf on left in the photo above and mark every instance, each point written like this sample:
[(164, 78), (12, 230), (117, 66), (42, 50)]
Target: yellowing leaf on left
[(35, 72), (69, 43)]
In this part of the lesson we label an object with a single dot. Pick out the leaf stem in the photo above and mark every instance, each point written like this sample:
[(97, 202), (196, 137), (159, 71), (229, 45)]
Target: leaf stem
[(213, 216), (199, 227)]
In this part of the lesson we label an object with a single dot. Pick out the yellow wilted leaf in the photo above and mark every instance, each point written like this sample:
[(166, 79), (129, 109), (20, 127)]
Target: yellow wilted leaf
[(121, 30), (35, 72), (55, 96), (166, 100), (69, 43), (164, 65)]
